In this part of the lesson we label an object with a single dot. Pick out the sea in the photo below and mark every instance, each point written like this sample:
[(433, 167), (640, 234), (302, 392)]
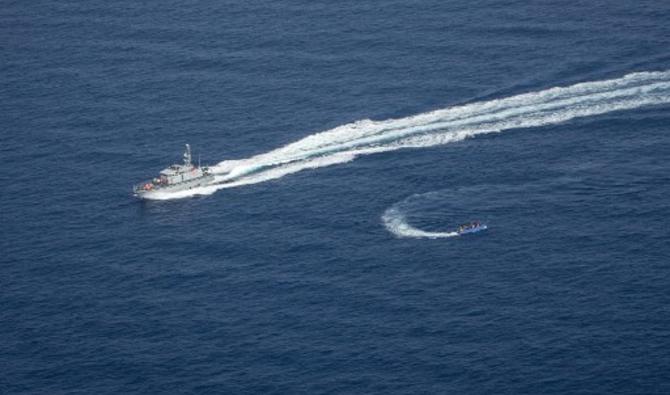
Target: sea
[(349, 140)]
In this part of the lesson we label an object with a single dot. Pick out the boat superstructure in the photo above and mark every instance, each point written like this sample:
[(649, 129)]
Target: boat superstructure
[(177, 177)]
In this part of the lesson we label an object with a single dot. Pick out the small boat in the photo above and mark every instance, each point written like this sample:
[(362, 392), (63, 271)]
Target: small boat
[(472, 227)]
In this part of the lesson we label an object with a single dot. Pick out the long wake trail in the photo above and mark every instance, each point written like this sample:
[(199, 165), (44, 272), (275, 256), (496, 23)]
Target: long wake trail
[(535, 109)]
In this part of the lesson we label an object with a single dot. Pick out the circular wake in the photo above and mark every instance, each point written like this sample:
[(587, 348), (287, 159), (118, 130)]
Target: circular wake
[(436, 209), (396, 223)]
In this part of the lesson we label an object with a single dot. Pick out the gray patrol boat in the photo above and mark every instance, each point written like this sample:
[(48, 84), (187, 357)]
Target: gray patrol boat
[(175, 178)]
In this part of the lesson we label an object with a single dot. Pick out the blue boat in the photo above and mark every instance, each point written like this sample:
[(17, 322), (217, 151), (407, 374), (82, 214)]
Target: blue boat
[(472, 227)]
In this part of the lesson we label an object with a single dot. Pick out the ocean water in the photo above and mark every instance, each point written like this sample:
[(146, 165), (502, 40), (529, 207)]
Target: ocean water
[(349, 140)]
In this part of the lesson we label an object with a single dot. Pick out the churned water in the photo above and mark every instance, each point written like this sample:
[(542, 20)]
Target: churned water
[(349, 140)]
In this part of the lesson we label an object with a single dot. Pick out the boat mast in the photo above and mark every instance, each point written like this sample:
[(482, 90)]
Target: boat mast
[(187, 155)]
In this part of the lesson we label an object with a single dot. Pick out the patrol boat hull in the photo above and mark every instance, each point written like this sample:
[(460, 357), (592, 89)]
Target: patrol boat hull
[(182, 186)]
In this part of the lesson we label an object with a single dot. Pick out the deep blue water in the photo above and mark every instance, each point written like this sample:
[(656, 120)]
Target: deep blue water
[(295, 285)]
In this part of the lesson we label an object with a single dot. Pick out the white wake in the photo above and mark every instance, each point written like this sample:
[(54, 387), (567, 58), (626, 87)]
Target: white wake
[(396, 223), (344, 143)]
